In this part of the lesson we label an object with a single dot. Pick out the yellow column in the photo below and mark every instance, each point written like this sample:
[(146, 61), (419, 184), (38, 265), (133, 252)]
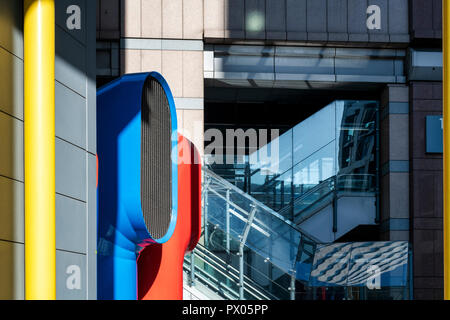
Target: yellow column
[(39, 127), (446, 122)]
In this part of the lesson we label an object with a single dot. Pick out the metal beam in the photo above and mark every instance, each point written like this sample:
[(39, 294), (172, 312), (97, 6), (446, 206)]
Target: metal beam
[(241, 250)]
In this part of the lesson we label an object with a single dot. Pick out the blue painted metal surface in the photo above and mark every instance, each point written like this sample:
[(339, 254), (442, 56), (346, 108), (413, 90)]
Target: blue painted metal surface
[(121, 228), (434, 134)]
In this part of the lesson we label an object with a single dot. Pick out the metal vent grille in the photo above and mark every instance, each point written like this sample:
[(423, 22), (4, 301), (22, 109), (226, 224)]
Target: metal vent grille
[(156, 165)]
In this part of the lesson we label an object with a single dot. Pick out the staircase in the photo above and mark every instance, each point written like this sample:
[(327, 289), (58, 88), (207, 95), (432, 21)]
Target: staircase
[(217, 279), (264, 223), (247, 250), (335, 206)]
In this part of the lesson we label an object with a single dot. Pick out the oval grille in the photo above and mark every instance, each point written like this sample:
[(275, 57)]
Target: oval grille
[(156, 165)]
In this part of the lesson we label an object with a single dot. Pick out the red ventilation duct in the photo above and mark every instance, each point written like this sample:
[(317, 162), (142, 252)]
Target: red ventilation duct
[(160, 266)]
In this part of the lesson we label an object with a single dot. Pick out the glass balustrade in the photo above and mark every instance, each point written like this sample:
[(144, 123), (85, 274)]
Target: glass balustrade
[(249, 251)]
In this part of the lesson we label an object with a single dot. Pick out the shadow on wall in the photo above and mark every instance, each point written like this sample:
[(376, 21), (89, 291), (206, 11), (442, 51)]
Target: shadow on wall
[(11, 151)]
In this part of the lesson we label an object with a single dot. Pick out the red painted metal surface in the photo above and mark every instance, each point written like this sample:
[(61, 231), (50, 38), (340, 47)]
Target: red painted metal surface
[(160, 266)]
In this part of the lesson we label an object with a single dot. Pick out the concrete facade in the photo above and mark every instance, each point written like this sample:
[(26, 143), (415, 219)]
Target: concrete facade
[(301, 21), (163, 36), (169, 36), (75, 149)]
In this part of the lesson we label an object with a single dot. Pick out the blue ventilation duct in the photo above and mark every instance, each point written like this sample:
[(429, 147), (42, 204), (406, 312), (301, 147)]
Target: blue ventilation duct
[(137, 176)]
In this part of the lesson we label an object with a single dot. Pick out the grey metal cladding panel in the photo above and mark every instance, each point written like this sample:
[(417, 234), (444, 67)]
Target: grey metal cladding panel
[(296, 81), (398, 17), (244, 64), (437, 17), (296, 15), (11, 147), (11, 210), (91, 117), (70, 170), (92, 227), (399, 67), (357, 12), (244, 50), (255, 24), (422, 15), (383, 4), (381, 35), (12, 267), (305, 51), (91, 90), (337, 16), (305, 65), (276, 19), (358, 37), (61, 17), (235, 18), (11, 84), (378, 37), (296, 19), (368, 78), (70, 62), (355, 66), (11, 26), (70, 116), (70, 224), (67, 265), (341, 37), (365, 53), (401, 38), (110, 15), (317, 15)]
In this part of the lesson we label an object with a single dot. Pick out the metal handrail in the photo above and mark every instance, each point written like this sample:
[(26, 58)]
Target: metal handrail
[(211, 284), (228, 185), (232, 271), (236, 271), (306, 195), (247, 285)]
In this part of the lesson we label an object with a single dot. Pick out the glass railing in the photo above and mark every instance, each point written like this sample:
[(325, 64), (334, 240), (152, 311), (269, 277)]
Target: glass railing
[(249, 251), (325, 192), (221, 277), (269, 234), (222, 268)]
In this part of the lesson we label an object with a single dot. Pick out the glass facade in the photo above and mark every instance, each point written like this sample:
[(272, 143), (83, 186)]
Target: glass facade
[(362, 270), (334, 149), (249, 217)]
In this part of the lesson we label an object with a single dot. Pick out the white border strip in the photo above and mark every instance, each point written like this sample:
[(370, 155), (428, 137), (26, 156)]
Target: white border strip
[(189, 103), (161, 44)]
